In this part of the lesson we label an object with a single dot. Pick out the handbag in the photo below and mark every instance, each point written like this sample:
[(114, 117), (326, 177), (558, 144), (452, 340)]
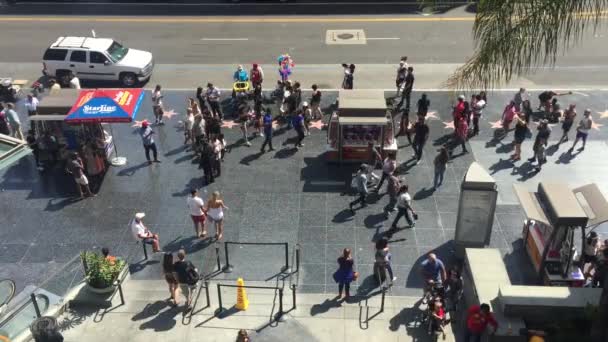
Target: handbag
[(415, 215)]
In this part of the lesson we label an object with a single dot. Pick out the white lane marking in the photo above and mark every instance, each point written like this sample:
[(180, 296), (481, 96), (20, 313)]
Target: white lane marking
[(222, 39), (421, 90), (578, 92), (384, 38)]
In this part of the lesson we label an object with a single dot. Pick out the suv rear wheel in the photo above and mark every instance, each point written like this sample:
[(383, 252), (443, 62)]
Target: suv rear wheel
[(128, 79)]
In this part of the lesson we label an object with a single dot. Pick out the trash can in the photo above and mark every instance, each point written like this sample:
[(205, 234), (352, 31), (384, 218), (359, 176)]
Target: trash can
[(45, 329)]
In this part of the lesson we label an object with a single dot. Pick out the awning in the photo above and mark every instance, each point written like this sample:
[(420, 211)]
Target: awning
[(362, 121), (593, 203), (106, 105), (47, 117), (530, 204)]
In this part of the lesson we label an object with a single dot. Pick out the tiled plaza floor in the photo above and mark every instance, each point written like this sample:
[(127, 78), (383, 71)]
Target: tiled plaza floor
[(285, 196)]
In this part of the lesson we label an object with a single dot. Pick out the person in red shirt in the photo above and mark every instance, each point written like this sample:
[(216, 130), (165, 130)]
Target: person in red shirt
[(478, 318), (458, 111)]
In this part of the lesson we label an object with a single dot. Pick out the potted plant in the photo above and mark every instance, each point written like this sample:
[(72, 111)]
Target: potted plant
[(101, 273)]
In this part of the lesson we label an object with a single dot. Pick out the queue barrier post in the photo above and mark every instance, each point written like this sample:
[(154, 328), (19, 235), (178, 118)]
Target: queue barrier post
[(217, 258), (297, 258), (280, 316), (227, 267), (36, 307), (220, 309), (293, 296), (286, 268)]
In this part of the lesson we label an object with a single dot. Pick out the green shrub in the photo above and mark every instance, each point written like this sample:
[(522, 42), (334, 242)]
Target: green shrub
[(100, 273)]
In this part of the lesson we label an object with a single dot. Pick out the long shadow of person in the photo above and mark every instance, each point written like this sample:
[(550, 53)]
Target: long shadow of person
[(325, 306), (164, 321)]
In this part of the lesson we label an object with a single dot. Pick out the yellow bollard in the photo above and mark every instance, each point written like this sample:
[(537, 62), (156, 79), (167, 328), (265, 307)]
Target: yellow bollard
[(242, 303)]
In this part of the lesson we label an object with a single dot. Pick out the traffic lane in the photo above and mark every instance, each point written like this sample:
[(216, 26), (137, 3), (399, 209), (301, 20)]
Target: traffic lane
[(174, 43)]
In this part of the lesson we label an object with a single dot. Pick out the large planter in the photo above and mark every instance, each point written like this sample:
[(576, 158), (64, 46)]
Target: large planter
[(102, 274)]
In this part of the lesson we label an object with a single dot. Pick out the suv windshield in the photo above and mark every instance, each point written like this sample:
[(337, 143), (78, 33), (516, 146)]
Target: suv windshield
[(117, 51)]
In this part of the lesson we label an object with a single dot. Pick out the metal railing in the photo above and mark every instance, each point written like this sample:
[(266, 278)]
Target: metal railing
[(228, 267), (279, 315)]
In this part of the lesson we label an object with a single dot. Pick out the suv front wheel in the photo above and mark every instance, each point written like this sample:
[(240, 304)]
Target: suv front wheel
[(128, 79)]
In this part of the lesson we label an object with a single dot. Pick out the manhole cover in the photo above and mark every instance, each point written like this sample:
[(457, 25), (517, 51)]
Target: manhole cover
[(346, 36)]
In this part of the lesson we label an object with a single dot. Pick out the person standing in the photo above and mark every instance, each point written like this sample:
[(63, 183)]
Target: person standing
[(76, 168), (478, 318), (157, 104), (423, 105), (407, 88), (421, 135), (400, 79), (4, 125), (388, 169), (187, 276), (349, 76), (460, 135), (298, 125), (404, 206), (520, 97), (404, 125), (359, 183), (213, 99), (13, 120), (197, 206), (315, 103), (477, 109), (267, 121), (31, 104), (440, 163), (206, 161), (458, 110), (541, 141), (168, 272), (147, 133), (142, 233), (307, 113), (582, 131), (394, 184), (257, 75), (244, 113), (55, 88), (240, 75), (200, 97), (507, 117), (345, 273), (296, 92), (215, 212), (74, 81), (521, 130), (383, 259), (568, 121)]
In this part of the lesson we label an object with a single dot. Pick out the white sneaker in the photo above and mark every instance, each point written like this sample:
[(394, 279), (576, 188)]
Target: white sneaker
[(248, 143), (394, 278), (262, 135)]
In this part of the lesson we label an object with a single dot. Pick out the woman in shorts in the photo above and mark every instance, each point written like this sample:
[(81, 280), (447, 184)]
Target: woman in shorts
[(215, 213), (521, 130), (569, 116)]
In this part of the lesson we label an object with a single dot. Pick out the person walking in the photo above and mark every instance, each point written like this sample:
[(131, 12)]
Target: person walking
[(404, 125), (345, 273), (215, 212), (213, 99), (157, 105), (31, 104), (146, 134), (244, 113), (519, 98), (307, 113), (567, 123), (541, 141), (423, 105), (404, 206), (257, 75), (460, 136), (196, 205), (582, 131), (526, 108), (240, 75), (349, 76), (297, 94), (440, 163), (187, 277), (13, 120), (521, 130), (477, 320), (421, 135), (168, 273), (268, 131), (407, 89), (188, 125), (75, 167), (394, 184), (383, 258), (401, 74), (142, 233), (359, 183), (298, 125), (315, 103), (388, 169), (477, 109), (458, 110), (206, 161), (507, 117), (4, 125)]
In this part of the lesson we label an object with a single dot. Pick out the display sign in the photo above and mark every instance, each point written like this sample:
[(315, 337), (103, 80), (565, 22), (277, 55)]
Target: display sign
[(475, 214), (105, 105), (361, 135)]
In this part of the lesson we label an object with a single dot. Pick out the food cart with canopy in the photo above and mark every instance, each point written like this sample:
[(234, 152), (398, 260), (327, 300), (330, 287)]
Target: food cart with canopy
[(554, 213), (362, 118)]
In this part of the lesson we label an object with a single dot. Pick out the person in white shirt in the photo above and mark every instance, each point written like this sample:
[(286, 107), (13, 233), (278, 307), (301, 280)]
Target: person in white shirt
[(213, 99), (404, 205), (388, 168), (74, 81), (196, 206), (31, 104), (582, 131), (141, 233), (478, 107), (157, 104), (55, 87)]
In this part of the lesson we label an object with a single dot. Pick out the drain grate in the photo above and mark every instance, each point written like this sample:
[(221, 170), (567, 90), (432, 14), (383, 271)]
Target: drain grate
[(345, 37)]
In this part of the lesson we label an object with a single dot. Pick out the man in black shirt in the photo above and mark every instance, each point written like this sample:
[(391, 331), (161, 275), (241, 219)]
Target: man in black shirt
[(187, 276), (407, 90), (421, 134)]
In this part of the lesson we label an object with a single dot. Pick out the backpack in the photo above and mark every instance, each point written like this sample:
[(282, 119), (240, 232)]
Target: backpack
[(192, 275)]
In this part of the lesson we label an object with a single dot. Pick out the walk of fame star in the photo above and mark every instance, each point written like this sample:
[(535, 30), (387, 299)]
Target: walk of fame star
[(317, 124), (137, 123), (169, 114), (496, 124), (596, 126), (603, 114), (229, 124), (432, 115), (448, 124)]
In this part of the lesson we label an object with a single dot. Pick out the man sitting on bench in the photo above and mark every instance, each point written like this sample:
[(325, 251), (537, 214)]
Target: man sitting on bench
[(141, 232)]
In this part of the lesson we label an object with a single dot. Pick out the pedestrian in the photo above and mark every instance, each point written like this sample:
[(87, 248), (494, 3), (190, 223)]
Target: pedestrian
[(147, 133), (206, 161), (460, 136), (545, 99), (423, 105), (307, 113), (440, 163), (187, 277), (188, 125), (297, 94), (542, 138), (477, 108), (142, 233), (421, 135), (507, 117), (394, 184), (74, 81), (519, 98), (521, 130), (244, 113), (298, 125), (400, 79), (359, 183), (240, 75), (168, 272), (556, 111), (388, 169), (216, 160), (404, 207), (568, 121), (433, 270), (31, 104), (582, 131), (200, 97), (315, 103), (222, 141), (75, 167), (213, 99), (105, 252), (268, 132), (243, 336), (289, 106), (345, 273), (55, 87), (193, 105), (196, 205), (157, 105), (374, 158), (257, 75), (349, 76), (13, 120), (383, 258), (406, 94), (458, 110), (199, 128), (4, 125), (526, 108), (404, 125), (215, 212), (478, 318)]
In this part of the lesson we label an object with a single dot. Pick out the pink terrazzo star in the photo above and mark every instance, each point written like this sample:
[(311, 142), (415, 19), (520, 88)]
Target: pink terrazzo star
[(603, 114), (596, 126), (169, 114), (432, 115), (137, 123), (496, 124), (317, 124), (448, 124), (229, 124)]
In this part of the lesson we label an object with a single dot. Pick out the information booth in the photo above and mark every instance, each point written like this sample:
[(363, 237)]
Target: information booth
[(361, 118), (555, 213)]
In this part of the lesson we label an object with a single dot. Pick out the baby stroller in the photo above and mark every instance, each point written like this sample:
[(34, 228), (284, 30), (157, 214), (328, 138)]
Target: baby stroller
[(434, 318)]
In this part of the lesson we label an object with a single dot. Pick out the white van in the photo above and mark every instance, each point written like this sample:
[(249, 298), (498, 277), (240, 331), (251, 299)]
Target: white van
[(91, 58)]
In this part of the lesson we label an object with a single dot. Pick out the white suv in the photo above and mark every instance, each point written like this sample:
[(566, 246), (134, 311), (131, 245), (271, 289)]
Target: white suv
[(96, 59)]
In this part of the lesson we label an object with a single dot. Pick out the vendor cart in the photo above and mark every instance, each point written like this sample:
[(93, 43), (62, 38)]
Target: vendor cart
[(554, 214), (361, 118)]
